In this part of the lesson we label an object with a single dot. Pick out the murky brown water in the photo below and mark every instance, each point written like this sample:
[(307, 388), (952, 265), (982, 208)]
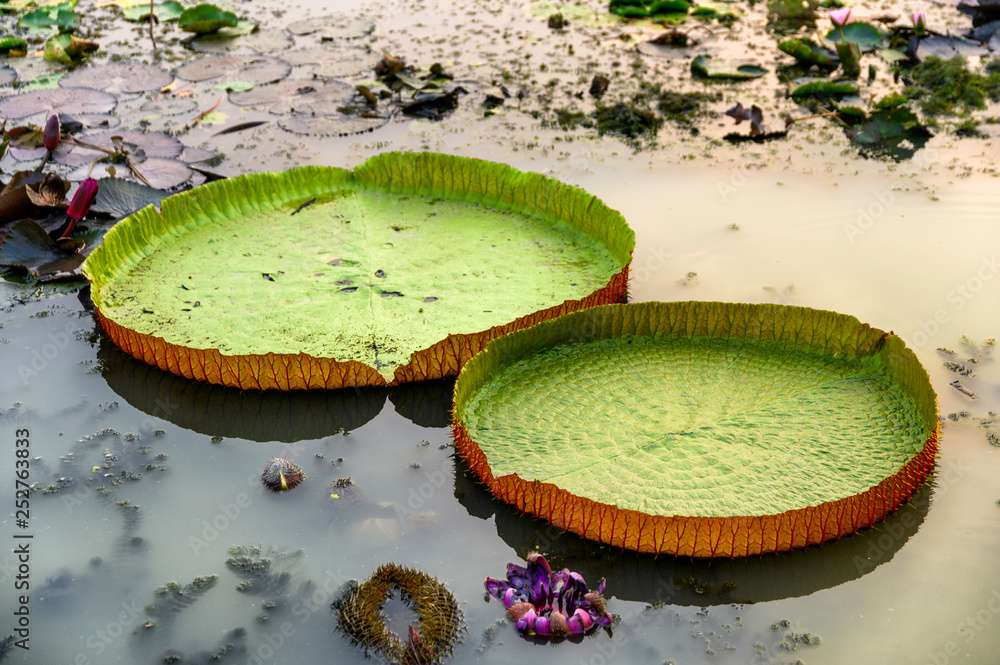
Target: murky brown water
[(912, 248)]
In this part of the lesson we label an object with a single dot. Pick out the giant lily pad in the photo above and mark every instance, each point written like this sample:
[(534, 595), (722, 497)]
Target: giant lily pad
[(324, 278), (699, 429)]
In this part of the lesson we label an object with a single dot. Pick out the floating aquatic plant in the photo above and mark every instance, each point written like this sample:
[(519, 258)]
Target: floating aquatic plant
[(699, 429), (281, 475), (359, 614), (549, 604)]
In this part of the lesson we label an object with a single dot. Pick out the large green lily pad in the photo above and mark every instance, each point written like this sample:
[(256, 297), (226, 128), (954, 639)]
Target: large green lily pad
[(699, 429), (322, 277)]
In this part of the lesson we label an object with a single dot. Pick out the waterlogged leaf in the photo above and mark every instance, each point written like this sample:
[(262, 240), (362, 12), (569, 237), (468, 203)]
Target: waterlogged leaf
[(866, 36), (400, 299), (947, 47), (66, 100), (340, 124), (692, 428), (295, 95), (229, 40), (119, 197), (705, 66), (892, 55), (160, 172), (824, 89), (119, 77), (68, 49), (887, 136), (807, 53), (27, 192), (204, 19), (28, 246), (170, 106), (149, 144), (257, 68), (332, 63), (163, 11), (333, 27)]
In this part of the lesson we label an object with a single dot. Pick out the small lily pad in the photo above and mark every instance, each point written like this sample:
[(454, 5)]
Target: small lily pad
[(7, 75), (649, 8), (60, 17), (170, 106), (161, 173), (28, 246), (152, 144), (333, 27), (205, 19), (57, 100), (162, 11), (947, 47), (292, 95), (119, 197), (330, 62), (339, 125), (807, 53), (825, 89), (118, 77), (256, 68), (705, 66), (864, 35), (224, 41)]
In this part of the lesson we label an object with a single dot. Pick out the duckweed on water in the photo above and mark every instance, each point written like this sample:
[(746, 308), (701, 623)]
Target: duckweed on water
[(949, 87)]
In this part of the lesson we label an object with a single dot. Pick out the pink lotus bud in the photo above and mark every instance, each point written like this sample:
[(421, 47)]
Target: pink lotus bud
[(839, 17), (50, 137), (83, 199), (919, 23)]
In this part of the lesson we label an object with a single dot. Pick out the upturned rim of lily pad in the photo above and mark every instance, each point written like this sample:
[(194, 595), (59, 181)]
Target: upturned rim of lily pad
[(492, 187), (490, 440)]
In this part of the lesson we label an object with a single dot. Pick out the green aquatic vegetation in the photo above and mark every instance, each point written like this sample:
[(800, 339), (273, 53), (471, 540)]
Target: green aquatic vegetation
[(628, 120), (949, 87)]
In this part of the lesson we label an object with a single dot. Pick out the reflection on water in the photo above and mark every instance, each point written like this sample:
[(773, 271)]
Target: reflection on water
[(702, 582)]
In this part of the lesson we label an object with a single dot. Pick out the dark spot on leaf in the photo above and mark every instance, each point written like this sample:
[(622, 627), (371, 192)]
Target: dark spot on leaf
[(380, 273), (267, 276), (430, 299), (385, 294), (350, 289)]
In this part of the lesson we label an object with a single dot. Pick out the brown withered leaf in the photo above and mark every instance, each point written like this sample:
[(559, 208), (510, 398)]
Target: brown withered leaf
[(50, 192), (754, 114)]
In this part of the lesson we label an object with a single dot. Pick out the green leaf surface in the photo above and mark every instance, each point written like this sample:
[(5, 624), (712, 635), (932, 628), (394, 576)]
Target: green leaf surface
[(705, 66), (369, 266), (863, 34), (699, 409), (163, 11), (205, 19), (61, 18), (825, 89), (807, 53)]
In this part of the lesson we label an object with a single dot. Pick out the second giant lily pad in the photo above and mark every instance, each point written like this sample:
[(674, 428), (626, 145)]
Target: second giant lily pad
[(324, 278), (699, 429)]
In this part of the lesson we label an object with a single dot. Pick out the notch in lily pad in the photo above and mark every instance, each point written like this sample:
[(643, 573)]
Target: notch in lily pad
[(707, 67)]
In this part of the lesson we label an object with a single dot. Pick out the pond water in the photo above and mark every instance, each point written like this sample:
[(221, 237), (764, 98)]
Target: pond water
[(910, 247)]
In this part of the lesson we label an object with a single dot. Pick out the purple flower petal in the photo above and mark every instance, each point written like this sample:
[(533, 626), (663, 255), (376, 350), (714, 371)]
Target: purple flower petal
[(540, 577), (542, 626), (496, 588), (526, 624)]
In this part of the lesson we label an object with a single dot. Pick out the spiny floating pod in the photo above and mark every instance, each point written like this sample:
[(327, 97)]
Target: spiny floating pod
[(439, 619), (281, 475), (547, 604)]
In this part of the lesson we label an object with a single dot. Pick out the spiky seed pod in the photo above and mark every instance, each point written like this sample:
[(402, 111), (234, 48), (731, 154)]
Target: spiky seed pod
[(281, 475), (439, 618)]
